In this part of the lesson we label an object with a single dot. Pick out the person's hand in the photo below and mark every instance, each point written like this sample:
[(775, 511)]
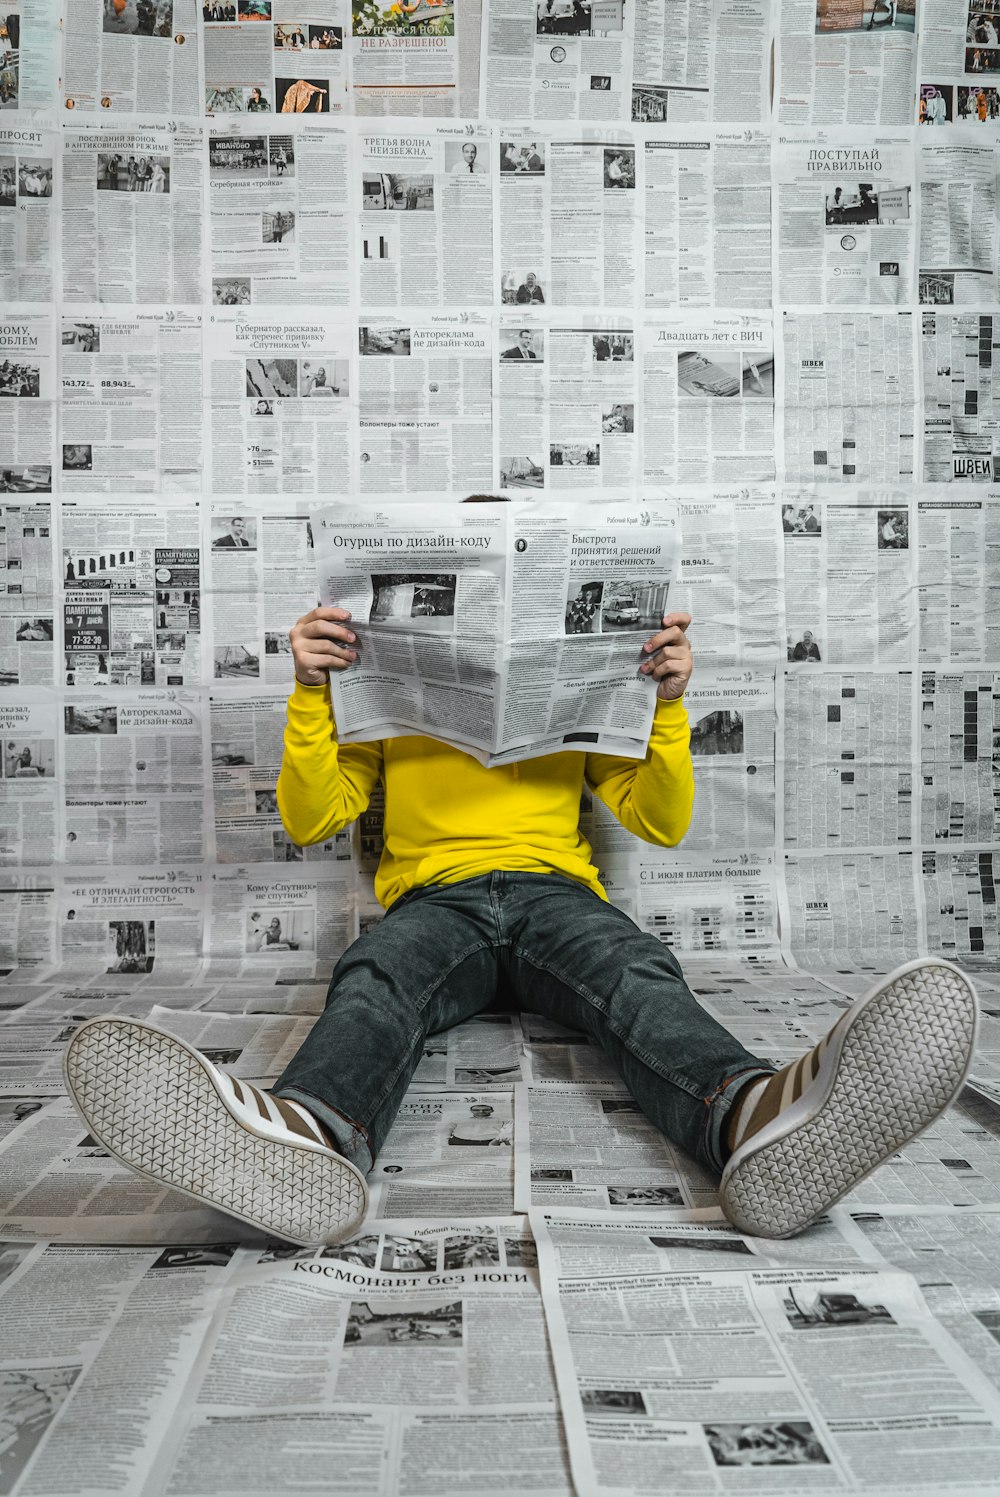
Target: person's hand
[(668, 657), (322, 641)]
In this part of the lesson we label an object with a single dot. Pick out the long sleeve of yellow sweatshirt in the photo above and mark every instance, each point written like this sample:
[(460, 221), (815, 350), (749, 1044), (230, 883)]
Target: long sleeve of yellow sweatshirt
[(447, 818)]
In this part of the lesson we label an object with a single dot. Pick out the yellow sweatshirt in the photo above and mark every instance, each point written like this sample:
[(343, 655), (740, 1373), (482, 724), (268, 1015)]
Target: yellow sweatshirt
[(447, 818)]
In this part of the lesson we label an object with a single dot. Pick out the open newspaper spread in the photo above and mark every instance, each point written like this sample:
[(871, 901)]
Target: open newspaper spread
[(509, 632)]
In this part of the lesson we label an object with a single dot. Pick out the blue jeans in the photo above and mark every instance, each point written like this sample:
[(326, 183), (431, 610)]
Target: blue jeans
[(444, 952)]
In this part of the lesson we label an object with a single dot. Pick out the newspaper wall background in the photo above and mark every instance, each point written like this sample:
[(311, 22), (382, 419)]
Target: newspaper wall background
[(736, 261)]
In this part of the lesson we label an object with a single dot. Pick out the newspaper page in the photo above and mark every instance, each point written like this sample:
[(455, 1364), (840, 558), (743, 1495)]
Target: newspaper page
[(591, 1146), (961, 397), (140, 57), (133, 215), (708, 399), (133, 775), (28, 800), (570, 227), (277, 920), (557, 59), (58, 1182), (279, 224), (707, 211), (279, 385), (823, 1369), (30, 54), (568, 421), (131, 400), (27, 625), (958, 213), (732, 716), (418, 57), (959, 890), (840, 554), (253, 57), (846, 213), (853, 910), (448, 1153), (702, 904), (957, 53), (958, 574), (141, 1321), (262, 574), (484, 1052), (729, 573), (130, 595), (425, 404), (426, 216), (247, 742), (422, 1379), (29, 153), (846, 759), (29, 380), (959, 712), (457, 653), (27, 920), (846, 62), (849, 397), (710, 64), (127, 921)]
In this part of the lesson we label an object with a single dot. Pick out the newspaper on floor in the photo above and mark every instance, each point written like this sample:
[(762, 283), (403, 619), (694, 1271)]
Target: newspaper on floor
[(448, 1153), (570, 219), (279, 213), (845, 62), (707, 213), (457, 609), (591, 1146), (29, 153), (845, 214), (120, 1351), (484, 1052), (689, 1369), (132, 55), (133, 210), (409, 1361)]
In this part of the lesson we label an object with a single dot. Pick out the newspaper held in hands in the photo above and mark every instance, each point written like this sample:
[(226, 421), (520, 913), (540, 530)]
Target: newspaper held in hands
[(509, 632)]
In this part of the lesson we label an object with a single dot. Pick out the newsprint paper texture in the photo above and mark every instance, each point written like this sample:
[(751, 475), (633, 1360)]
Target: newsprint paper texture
[(280, 281)]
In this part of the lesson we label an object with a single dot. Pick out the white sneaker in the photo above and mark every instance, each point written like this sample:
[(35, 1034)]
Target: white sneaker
[(885, 1071), (167, 1112)]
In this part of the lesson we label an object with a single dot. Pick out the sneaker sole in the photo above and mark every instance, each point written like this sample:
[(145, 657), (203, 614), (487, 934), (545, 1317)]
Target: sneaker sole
[(900, 1061), (147, 1097)]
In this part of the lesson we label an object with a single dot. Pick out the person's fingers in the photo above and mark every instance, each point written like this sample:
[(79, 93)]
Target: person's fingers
[(324, 629), (674, 628)]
